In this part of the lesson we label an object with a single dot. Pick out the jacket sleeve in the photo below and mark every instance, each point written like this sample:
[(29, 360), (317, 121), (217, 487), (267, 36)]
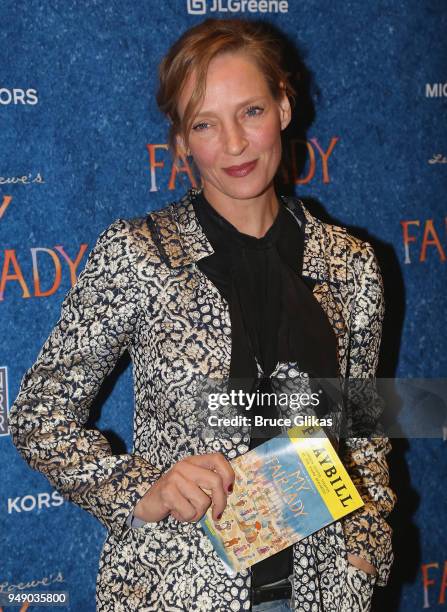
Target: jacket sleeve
[(97, 323), (364, 448)]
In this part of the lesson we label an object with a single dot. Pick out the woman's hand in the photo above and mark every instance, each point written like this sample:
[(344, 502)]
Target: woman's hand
[(362, 564), (180, 492)]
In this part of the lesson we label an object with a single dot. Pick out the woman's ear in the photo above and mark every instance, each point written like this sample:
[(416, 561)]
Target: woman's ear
[(285, 110)]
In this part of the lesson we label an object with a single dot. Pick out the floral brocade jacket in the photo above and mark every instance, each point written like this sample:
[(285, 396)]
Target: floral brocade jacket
[(142, 290)]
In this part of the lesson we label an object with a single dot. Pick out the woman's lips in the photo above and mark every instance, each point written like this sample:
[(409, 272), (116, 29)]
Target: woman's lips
[(242, 170)]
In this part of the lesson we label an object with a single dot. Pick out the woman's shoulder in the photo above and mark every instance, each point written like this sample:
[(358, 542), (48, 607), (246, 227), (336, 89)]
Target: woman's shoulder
[(334, 235), (158, 235), (348, 256), (130, 237)]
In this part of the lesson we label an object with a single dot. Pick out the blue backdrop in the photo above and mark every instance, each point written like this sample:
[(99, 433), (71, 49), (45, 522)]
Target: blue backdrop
[(83, 143)]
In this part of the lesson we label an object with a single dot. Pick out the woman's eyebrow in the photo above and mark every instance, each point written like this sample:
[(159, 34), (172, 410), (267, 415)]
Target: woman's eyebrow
[(237, 106)]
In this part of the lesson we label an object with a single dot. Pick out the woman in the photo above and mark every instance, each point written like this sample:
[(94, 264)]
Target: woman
[(176, 289)]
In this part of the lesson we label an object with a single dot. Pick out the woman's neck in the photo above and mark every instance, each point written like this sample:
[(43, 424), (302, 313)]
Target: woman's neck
[(252, 216)]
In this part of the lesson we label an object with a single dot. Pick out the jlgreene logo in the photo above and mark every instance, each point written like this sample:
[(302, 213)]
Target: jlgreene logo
[(201, 7)]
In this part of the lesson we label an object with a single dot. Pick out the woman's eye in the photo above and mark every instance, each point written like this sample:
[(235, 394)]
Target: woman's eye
[(200, 126), (252, 111)]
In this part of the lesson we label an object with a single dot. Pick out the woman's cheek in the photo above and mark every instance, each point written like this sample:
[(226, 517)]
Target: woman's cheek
[(205, 162), (263, 141), (205, 154), (206, 159)]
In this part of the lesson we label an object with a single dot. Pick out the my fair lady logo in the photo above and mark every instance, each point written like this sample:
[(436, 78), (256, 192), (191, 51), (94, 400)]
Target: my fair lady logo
[(22, 275), (317, 153), (421, 239)]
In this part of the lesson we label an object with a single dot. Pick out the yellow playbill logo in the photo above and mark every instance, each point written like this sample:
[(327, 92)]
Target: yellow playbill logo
[(326, 470)]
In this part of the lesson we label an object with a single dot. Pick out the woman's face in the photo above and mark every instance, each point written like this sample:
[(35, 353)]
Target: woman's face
[(235, 136)]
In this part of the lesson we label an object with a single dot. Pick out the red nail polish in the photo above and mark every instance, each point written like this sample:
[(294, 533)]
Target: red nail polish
[(230, 489), (219, 516)]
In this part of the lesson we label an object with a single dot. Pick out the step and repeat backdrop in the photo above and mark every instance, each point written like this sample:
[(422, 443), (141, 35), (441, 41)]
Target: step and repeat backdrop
[(83, 143)]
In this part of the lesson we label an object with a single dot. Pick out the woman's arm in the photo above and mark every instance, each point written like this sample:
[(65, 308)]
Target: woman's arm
[(98, 320), (364, 450)]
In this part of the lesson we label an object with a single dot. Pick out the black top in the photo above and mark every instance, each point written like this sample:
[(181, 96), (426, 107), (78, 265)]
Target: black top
[(273, 314)]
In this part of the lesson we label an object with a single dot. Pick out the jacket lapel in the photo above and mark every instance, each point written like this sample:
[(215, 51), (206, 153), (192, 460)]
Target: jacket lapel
[(178, 233), (319, 261)]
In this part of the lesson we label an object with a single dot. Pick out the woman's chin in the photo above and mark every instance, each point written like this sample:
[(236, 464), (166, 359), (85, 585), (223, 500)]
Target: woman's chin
[(241, 189)]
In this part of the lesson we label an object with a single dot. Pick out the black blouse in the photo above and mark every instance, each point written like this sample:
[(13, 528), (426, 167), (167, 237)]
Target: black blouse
[(274, 317)]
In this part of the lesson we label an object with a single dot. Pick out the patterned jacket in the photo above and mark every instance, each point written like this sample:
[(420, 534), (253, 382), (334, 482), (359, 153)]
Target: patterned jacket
[(141, 290)]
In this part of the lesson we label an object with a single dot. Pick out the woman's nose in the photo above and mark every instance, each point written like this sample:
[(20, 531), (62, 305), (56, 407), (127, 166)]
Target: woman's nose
[(235, 139)]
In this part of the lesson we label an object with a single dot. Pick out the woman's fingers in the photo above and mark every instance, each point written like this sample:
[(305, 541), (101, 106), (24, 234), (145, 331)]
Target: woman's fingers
[(186, 483), (192, 502), (215, 462), (193, 481), (183, 508), (215, 475), (187, 490)]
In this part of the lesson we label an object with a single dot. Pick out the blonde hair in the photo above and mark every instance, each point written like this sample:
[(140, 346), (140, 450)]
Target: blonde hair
[(195, 49)]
